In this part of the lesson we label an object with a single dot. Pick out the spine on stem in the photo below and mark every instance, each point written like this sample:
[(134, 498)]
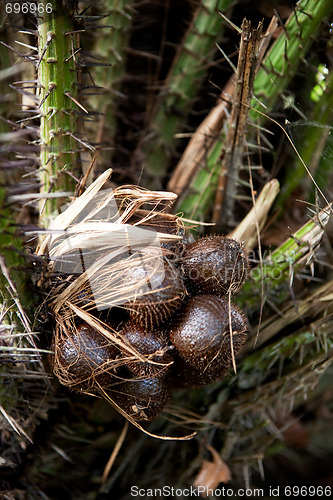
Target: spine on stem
[(279, 66), (57, 77), (182, 83), (111, 49)]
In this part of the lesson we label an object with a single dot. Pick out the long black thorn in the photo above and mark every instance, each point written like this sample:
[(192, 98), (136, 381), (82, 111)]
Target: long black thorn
[(36, 86), (74, 32), (51, 88), (76, 51), (29, 118), (88, 64), (29, 31), (49, 39), (305, 13), (277, 13), (23, 92), (86, 9), (33, 21), (97, 26), (298, 23), (25, 56), (25, 81), (72, 176), (82, 86), (88, 54), (88, 146), (91, 18)]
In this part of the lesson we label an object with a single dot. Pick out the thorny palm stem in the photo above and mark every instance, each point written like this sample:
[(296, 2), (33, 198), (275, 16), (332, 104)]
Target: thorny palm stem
[(313, 149), (57, 46), (235, 141), (277, 69), (181, 84), (111, 49), (283, 263), (11, 247), (285, 55)]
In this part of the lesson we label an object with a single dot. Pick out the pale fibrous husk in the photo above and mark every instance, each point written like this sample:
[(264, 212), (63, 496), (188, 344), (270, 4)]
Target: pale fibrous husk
[(92, 248), (93, 242)]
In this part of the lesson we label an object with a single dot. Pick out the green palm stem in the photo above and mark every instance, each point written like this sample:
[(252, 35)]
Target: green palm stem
[(58, 106), (21, 400), (314, 148), (181, 86), (11, 247), (15, 293), (283, 58), (111, 49), (197, 202), (5, 71), (284, 262), (315, 304), (306, 352), (270, 82), (313, 335)]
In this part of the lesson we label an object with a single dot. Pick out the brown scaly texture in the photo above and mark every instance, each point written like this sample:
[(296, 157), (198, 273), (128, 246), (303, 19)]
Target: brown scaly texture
[(152, 309), (215, 265), (169, 224), (201, 335), (83, 359), (151, 345), (142, 399)]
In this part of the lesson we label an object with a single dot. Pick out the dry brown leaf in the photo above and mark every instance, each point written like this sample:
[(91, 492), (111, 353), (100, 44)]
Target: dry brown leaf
[(212, 473)]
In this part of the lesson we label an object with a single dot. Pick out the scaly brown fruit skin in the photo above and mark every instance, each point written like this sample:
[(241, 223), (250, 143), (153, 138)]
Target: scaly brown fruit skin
[(168, 224), (152, 309), (201, 334), (150, 344), (83, 360), (215, 265), (142, 399)]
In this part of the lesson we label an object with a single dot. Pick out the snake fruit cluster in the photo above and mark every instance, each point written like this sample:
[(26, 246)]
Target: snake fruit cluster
[(184, 333)]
